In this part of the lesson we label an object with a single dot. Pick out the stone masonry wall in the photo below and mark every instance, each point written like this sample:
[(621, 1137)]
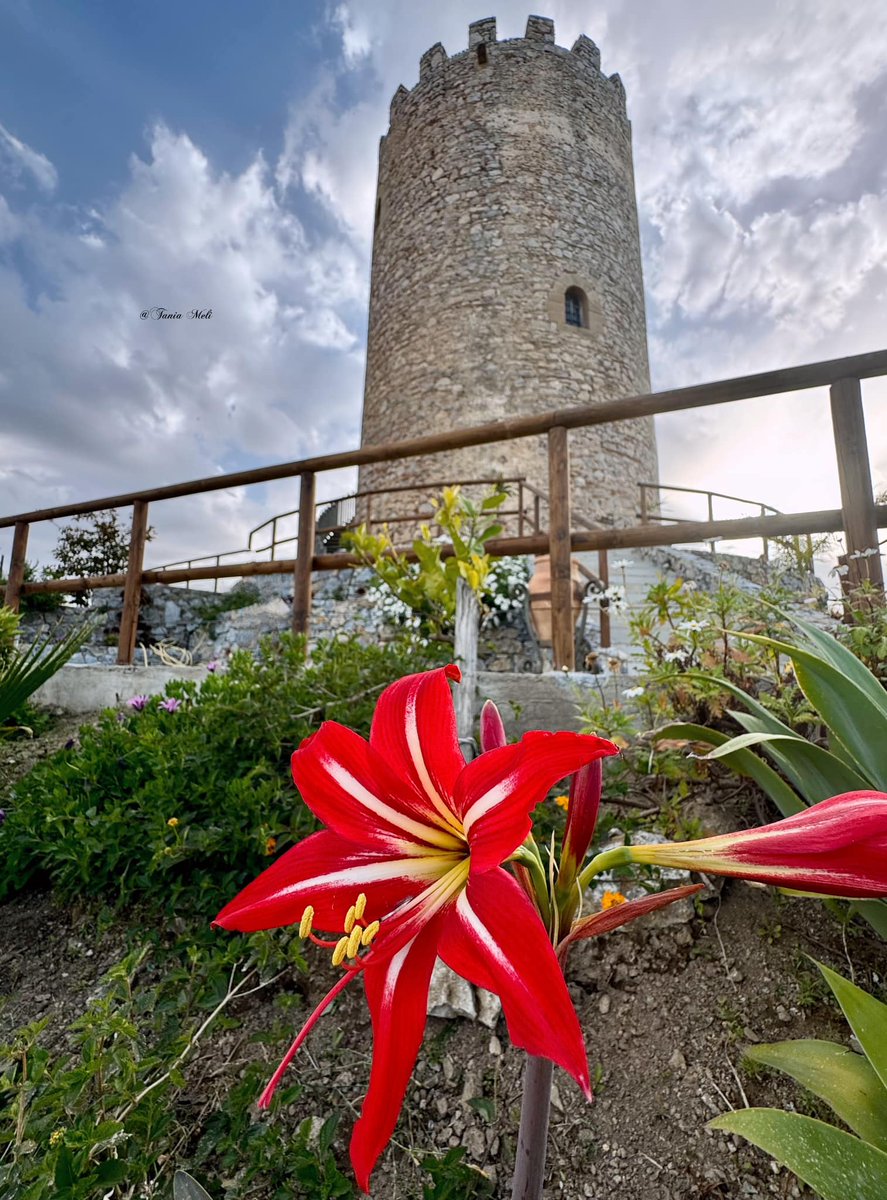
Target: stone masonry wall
[(505, 178)]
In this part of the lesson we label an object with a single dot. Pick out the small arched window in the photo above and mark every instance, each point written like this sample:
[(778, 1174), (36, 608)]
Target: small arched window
[(576, 307)]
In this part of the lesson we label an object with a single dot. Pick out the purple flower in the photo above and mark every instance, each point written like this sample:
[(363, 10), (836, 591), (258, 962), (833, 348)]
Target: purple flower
[(2, 815), (170, 705), (138, 702), (213, 666)]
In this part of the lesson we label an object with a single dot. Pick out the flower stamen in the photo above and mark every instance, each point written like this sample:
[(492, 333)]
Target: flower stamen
[(305, 924), (340, 951)]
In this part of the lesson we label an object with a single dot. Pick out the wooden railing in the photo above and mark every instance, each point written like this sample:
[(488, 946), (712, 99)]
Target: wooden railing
[(858, 517)]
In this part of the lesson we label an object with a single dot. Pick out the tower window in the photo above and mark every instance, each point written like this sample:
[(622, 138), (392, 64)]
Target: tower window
[(576, 308), (482, 54)]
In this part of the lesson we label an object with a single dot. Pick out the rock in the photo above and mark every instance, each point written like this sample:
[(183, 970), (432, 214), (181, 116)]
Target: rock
[(677, 1062), (449, 995)]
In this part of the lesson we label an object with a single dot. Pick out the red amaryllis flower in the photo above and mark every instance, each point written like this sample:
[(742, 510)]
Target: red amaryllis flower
[(422, 836), (835, 848)]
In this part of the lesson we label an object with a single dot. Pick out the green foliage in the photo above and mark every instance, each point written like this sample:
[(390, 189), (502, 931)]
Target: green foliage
[(834, 1163), (9, 626), (42, 602), (23, 671), (453, 1179), (237, 598), (115, 1102), (93, 543), (842, 752), (428, 586), (181, 809), (866, 631)]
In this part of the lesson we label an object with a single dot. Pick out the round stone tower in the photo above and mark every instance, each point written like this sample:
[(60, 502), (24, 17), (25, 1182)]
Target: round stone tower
[(506, 274)]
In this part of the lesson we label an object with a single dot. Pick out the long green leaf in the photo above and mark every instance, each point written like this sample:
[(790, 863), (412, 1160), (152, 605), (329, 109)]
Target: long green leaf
[(846, 709), (867, 1018), (875, 912), (844, 1080), (843, 660), (28, 669), (185, 1187), (744, 762), (815, 771), (835, 1164)]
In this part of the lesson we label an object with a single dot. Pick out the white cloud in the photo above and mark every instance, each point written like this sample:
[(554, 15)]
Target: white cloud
[(17, 158), (96, 400)]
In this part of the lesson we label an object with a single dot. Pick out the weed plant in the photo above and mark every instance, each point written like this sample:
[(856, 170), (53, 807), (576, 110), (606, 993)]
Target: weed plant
[(179, 809)]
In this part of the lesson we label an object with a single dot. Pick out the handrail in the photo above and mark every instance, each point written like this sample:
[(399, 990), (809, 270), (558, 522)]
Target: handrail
[(746, 387), (675, 487), (858, 516)]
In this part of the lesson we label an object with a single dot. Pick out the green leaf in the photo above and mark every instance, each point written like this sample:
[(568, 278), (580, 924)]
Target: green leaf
[(835, 1164), (744, 762), (875, 912), (184, 1187), (843, 660), (112, 1170), (742, 740), (815, 772), (866, 1016), (848, 711), (844, 1080)]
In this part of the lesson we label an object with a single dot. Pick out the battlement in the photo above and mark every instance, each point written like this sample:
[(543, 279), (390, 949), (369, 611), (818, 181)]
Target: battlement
[(483, 46)]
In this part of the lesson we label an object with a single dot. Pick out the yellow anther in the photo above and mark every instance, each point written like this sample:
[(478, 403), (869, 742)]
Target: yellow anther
[(349, 919), (305, 924), (359, 905), (369, 933), (354, 941), (340, 951)]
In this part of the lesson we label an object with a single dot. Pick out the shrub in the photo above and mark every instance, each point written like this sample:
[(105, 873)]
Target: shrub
[(181, 808)]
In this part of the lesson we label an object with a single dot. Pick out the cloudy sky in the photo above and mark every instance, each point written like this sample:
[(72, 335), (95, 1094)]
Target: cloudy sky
[(218, 155)]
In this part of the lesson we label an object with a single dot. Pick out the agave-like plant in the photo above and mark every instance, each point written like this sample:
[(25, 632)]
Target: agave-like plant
[(22, 673), (835, 1163), (852, 705)]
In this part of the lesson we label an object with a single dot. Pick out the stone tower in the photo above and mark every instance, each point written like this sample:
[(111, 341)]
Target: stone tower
[(506, 275)]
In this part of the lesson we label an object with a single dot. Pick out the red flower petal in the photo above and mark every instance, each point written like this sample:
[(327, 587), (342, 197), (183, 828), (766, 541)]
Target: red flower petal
[(397, 993), (493, 937), (414, 731), (328, 873), (621, 914), (836, 848), (498, 790), (351, 788)]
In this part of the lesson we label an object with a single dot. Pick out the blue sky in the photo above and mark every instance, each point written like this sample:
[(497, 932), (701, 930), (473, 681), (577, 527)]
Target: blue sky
[(223, 155)]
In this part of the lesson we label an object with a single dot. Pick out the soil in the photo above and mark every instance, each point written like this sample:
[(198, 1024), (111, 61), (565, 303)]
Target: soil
[(668, 1006)]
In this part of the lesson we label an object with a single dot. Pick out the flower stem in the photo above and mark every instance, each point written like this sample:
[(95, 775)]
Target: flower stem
[(529, 1167), (618, 857)]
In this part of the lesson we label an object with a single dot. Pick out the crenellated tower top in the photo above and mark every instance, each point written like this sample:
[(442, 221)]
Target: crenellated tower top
[(484, 46)]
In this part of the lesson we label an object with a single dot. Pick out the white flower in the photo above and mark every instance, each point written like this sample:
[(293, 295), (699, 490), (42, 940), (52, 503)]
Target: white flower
[(692, 626), (676, 655), (633, 693), (621, 563)]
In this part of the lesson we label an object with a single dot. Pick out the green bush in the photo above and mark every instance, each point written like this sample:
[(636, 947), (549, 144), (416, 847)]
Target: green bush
[(182, 808)]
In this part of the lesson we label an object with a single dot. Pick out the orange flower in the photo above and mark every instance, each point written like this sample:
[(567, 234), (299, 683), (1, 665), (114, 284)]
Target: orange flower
[(270, 845), (562, 801), (611, 899)]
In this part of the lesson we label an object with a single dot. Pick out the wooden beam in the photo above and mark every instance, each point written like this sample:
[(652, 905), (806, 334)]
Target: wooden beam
[(830, 520), (769, 383), (305, 554), (563, 642), (17, 566), (603, 573), (132, 588), (857, 494)]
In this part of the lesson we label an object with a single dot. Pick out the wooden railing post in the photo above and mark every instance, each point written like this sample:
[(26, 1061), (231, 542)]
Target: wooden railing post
[(603, 572), (17, 566), (305, 554), (132, 589), (854, 473), (562, 633)]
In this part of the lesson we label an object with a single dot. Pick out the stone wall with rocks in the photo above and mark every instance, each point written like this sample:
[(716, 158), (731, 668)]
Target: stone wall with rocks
[(201, 623), (506, 179)]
